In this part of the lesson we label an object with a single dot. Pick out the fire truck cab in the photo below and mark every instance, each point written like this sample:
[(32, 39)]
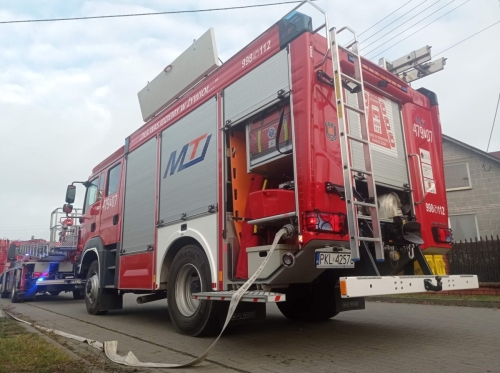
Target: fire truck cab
[(38, 266), (295, 130)]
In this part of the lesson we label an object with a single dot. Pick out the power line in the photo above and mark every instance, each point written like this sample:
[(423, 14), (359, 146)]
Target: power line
[(393, 21), (387, 16), (416, 23), (493, 125), (420, 29), (149, 14), (373, 42), (460, 42)]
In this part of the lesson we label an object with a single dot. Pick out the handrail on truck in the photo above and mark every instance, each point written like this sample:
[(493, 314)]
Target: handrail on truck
[(325, 25)]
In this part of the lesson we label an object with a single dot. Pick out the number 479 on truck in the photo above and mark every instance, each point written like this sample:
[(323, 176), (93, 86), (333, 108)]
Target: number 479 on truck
[(296, 131)]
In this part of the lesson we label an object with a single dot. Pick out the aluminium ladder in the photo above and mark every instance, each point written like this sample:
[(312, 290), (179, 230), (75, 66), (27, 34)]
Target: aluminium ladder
[(345, 139)]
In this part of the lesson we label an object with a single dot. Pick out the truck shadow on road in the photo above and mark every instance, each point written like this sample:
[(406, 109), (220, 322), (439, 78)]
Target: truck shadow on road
[(357, 339)]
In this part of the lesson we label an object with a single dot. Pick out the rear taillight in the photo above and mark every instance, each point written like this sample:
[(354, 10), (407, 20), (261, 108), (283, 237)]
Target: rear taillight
[(442, 235), (40, 274), (325, 222)]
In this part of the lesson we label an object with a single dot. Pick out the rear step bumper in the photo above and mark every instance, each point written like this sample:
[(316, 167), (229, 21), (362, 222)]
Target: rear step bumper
[(364, 286), (249, 296), (367, 286)]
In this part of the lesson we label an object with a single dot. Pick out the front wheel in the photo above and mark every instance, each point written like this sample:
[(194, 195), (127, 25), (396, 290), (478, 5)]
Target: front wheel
[(190, 273), (92, 293), (13, 295), (3, 293)]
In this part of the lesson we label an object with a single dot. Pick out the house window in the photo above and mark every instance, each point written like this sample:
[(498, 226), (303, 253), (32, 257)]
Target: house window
[(457, 176), (464, 227)]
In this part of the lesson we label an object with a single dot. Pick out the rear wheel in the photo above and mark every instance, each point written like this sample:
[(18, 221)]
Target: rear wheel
[(310, 302), (92, 293), (78, 294), (190, 273)]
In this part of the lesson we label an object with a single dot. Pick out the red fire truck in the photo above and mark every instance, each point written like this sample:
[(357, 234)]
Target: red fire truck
[(38, 266), (294, 130)]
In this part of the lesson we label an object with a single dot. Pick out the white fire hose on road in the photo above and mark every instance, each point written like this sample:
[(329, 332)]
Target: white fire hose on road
[(110, 347)]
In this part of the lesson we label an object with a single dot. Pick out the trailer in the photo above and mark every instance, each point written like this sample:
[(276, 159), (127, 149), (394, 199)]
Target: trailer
[(297, 132), (38, 266)]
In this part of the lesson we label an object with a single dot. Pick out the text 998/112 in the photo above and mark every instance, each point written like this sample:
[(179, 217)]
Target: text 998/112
[(258, 52)]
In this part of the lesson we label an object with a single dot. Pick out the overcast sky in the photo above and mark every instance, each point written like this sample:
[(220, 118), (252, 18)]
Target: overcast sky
[(68, 90)]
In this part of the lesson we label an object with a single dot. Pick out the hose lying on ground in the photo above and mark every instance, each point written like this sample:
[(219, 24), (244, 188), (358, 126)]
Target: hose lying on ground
[(110, 347)]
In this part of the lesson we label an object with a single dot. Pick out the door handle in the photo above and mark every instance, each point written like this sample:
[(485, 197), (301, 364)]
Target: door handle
[(115, 219), (422, 186), (92, 227)]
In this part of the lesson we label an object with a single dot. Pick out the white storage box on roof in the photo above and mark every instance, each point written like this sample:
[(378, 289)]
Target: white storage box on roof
[(191, 66)]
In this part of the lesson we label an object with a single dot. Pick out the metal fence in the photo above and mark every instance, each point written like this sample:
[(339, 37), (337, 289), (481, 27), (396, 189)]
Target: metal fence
[(478, 257)]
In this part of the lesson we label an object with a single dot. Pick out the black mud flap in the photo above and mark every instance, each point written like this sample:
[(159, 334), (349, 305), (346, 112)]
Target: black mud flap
[(348, 304), (110, 300), (245, 313)]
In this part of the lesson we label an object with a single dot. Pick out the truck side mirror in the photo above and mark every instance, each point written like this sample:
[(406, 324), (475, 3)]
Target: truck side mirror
[(67, 208), (70, 194)]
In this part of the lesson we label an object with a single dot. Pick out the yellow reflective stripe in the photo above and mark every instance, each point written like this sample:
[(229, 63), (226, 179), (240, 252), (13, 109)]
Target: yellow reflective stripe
[(285, 124), (259, 145)]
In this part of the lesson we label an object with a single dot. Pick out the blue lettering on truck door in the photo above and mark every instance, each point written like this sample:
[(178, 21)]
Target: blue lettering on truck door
[(175, 162)]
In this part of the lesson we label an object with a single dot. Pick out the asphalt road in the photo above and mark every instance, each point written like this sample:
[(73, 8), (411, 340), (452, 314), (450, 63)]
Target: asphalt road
[(383, 338)]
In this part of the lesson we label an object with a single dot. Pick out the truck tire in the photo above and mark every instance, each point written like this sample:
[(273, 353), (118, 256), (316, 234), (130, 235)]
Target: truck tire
[(54, 293), (310, 302), (3, 294), (92, 293), (13, 295), (190, 273), (78, 294)]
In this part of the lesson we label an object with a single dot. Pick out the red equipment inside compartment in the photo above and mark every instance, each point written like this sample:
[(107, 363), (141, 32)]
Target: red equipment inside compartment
[(270, 202), (263, 133)]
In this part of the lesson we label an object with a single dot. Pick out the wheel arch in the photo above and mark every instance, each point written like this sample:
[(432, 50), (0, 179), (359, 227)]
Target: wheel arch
[(170, 254), (92, 251), (88, 258)]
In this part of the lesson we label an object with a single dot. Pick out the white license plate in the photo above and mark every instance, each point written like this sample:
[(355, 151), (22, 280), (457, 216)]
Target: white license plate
[(334, 260)]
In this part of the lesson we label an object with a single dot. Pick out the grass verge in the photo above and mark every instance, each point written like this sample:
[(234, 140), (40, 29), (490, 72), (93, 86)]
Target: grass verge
[(25, 352)]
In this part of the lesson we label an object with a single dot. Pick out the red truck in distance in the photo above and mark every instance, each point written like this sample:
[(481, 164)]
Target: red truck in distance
[(38, 266)]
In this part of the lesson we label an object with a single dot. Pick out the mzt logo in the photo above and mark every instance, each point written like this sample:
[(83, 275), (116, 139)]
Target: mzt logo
[(177, 163), (421, 121)]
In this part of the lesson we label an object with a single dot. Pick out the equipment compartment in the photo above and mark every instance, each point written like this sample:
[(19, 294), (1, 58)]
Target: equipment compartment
[(262, 136)]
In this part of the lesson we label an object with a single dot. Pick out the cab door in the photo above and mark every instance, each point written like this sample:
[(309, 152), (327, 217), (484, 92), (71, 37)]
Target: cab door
[(110, 209), (91, 209)]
